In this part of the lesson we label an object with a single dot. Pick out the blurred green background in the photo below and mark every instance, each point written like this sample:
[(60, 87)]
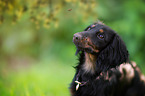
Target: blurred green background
[(37, 54)]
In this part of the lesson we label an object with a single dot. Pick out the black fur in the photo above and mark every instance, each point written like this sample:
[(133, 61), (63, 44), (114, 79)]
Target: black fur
[(114, 74)]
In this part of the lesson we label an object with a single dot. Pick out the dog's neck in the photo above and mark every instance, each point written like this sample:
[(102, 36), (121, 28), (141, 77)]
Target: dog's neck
[(89, 65)]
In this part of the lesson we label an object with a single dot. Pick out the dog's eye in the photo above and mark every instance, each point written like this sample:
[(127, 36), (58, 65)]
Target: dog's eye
[(101, 36)]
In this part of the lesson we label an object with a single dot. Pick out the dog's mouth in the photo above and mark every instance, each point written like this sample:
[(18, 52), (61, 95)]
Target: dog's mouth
[(84, 44)]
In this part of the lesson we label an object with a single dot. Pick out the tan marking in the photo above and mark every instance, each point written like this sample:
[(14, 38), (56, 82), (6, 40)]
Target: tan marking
[(136, 67), (128, 70), (92, 46), (95, 50), (107, 76), (98, 78), (101, 75), (133, 63), (101, 30), (142, 77), (89, 65), (93, 25)]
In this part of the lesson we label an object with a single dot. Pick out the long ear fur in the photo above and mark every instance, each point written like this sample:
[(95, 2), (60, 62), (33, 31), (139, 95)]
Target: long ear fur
[(113, 55)]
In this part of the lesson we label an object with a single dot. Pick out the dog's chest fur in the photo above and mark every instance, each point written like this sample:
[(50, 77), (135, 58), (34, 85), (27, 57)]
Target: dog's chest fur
[(89, 64)]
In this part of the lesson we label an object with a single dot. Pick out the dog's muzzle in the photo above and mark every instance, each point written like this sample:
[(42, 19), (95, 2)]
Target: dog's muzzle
[(83, 42), (77, 37), (79, 40)]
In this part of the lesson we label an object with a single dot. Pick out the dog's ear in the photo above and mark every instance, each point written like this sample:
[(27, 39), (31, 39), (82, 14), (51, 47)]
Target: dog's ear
[(113, 55), (77, 51), (120, 52)]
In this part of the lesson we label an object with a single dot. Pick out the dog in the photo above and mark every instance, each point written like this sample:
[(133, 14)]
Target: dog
[(104, 68)]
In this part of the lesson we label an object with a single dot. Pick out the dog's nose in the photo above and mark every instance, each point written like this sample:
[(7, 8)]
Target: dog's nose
[(77, 36)]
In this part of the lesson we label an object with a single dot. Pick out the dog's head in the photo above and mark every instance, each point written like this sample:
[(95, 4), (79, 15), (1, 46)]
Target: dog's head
[(94, 38), (99, 39)]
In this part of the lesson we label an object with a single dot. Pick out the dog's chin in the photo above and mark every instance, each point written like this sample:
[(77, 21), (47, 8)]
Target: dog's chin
[(85, 49)]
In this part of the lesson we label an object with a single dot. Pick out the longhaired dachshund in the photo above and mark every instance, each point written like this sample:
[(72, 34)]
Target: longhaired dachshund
[(104, 68)]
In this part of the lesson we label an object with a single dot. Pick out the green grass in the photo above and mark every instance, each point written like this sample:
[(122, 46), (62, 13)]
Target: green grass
[(39, 79)]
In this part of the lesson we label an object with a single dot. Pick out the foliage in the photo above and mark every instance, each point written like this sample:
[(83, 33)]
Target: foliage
[(43, 11), (36, 80)]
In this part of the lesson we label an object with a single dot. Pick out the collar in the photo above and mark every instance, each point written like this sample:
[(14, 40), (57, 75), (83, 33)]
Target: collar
[(78, 82)]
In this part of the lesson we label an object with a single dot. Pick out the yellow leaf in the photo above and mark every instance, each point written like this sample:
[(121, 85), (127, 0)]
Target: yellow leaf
[(10, 6), (68, 1)]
